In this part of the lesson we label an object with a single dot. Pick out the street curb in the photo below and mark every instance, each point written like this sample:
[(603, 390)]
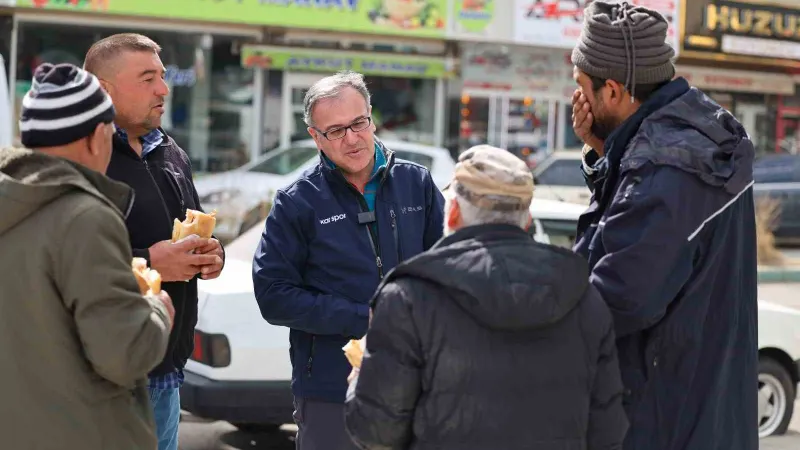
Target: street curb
[(771, 274)]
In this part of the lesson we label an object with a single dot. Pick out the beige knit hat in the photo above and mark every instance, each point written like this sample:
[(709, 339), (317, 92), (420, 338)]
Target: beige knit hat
[(494, 179)]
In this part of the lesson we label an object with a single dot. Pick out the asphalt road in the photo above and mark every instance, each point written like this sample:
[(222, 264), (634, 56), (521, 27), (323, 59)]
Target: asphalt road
[(196, 434)]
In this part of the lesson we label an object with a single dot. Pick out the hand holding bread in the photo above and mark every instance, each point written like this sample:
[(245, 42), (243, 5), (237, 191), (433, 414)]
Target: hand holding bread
[(354, 351), (149, 281)]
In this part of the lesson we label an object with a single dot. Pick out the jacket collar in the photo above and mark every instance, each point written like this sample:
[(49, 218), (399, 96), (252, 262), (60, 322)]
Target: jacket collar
[(382, 153), (486, 232)]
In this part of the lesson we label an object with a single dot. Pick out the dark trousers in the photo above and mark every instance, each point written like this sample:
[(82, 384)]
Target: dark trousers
[(320, 426)]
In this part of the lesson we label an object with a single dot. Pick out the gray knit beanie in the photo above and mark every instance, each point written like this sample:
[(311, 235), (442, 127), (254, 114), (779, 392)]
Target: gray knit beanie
[(624, 43)]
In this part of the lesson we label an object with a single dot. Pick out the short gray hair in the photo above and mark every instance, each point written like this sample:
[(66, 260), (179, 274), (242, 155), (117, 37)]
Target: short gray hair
[(331, 87), (472, 215)]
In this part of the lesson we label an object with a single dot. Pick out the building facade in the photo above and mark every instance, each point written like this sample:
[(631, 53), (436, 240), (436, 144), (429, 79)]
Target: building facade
[(746, 55), (450, 73)]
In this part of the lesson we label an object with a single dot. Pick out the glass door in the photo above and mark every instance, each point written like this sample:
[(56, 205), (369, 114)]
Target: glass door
[(481, 121), (295, 86), (530, 130), (755, 119)]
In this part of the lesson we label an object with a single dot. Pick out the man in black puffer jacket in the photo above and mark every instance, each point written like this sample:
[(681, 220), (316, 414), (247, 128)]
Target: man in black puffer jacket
[(489, 340)]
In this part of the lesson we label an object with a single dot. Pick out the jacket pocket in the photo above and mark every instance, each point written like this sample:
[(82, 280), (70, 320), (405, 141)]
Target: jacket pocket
[(310, 361), (396, 234)]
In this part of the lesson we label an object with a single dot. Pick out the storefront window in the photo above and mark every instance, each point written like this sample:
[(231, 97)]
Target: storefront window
[(209, 111), (403, 108)]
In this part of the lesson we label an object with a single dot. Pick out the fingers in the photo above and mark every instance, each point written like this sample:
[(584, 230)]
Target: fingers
[(191, 243), (204, 260)]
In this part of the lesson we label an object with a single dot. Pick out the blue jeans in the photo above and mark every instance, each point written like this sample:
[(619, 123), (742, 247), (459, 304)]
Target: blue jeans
[(167, 411)]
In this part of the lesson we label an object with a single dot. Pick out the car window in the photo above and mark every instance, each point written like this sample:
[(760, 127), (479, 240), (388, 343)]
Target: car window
[(285, 162), (560, 233), (562, 172), (415, 157), (777, 169)]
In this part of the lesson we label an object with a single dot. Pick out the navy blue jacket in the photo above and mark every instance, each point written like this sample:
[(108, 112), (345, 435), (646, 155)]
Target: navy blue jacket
[(315, 269), (670, 239)]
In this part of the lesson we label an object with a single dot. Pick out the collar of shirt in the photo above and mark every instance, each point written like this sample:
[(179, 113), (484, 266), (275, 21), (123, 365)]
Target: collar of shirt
[(380, 164), (150, 141)]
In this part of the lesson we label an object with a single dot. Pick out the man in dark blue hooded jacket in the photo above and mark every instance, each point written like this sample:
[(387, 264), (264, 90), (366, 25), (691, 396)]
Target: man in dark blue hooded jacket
[(670, 236)]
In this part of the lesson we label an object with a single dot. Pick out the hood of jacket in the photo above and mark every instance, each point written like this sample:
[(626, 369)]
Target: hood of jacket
[(30, 180), (501, 277), (695, 134)]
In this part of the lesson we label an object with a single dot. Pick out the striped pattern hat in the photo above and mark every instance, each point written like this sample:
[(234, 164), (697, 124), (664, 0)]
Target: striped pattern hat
[(65, 104)]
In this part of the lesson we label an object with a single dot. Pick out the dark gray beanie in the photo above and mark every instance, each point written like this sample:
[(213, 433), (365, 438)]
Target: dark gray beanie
[(625, 43)]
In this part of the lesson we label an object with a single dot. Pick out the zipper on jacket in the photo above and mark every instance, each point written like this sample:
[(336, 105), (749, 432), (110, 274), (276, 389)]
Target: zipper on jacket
[(173, 183), (310, 362), (372, 232), (396, 234), (158, 189)]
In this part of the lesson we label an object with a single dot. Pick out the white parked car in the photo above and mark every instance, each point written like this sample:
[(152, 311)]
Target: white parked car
[(558, 177), (243, 196), (240, 370), (5, 108)]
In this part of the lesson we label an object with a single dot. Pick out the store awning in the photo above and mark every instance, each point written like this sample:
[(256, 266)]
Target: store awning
[(329, 61), (738, 80)]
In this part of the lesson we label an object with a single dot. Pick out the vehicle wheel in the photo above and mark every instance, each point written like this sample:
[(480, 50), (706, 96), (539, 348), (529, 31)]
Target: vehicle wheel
[(776, 396), (260, 428)]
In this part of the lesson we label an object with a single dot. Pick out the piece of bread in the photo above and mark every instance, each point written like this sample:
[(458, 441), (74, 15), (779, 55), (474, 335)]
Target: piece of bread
[(149, 280), (196, 222), (354, 351)]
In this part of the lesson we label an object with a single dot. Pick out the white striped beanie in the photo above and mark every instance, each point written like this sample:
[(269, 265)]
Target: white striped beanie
[(65, 104)]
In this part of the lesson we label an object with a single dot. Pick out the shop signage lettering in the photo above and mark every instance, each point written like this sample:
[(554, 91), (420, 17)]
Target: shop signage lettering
[(752, 20), (180, 77), (743, 31), (366, 63), (393, 67), (419, 18), (348, 4)]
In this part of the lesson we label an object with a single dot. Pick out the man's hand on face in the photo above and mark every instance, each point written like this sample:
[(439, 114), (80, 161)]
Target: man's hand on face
[(212, 247), (177, 262), (582, 120)]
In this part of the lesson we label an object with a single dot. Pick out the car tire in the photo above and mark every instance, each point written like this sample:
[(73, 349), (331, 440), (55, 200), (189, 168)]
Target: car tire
[(776, 397)]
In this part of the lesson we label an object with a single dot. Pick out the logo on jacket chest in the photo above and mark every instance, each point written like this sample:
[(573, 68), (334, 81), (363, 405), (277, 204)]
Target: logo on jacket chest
[(410, 209), (335, 218)]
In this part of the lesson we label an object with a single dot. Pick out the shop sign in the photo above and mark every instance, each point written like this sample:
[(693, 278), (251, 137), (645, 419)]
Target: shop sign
[(710, 79), (424, 18), (473, 16), (525, 70), (180, 77), (759, 30), (558, 23), (300, 60)]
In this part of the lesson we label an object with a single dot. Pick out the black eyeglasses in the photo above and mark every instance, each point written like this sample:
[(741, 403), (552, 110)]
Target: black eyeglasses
[(338, 133)]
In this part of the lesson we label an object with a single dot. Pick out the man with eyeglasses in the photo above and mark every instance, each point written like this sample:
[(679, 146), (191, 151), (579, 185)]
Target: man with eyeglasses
[(331, 237)]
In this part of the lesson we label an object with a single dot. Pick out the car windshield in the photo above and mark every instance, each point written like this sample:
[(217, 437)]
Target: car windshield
[(284, 162)]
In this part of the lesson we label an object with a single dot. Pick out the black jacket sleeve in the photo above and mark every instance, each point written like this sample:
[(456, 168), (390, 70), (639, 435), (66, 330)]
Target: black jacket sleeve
[(607, 421), (381, 400)]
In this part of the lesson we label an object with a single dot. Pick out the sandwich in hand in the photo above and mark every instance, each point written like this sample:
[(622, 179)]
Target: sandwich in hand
[(354, 351), (197, 223), (149, 280)]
